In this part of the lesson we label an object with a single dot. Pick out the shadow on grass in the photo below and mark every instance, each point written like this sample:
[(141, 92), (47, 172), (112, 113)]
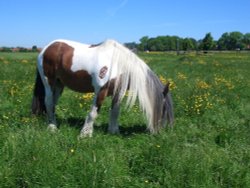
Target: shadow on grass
[(125, 130)]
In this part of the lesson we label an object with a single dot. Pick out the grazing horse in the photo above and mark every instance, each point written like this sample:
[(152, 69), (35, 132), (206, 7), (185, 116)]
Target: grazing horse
[(107, 69)]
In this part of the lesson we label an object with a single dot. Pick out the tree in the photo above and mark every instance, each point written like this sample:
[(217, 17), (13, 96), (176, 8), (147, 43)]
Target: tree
[(231, 41), (34, 48), (152, 44), (223, 41), (246, 40), (167, 43), (162, 43), (207, 43), (188, 44), (143, 46), (175, 43), (228, 41), (235, 40), (6, 49)]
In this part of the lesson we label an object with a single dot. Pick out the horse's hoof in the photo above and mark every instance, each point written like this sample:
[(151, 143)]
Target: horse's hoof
[(114, 131), (84, 135), (86, 131), (52, 127)]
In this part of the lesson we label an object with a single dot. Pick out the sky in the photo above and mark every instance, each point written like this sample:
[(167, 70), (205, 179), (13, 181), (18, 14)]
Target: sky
[(29, 22)]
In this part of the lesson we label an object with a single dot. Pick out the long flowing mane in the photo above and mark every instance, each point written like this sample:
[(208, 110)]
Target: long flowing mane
[(135, 75)]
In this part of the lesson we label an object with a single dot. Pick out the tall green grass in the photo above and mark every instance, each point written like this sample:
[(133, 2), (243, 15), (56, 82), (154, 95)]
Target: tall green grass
[(208, 146)]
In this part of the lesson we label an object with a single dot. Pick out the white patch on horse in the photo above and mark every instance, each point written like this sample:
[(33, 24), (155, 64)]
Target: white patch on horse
[(92, 61)]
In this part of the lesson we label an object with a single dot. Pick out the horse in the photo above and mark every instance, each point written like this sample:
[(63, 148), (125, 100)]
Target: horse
[(107, 69)]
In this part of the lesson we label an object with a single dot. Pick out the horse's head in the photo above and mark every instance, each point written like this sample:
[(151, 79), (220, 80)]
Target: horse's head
[(167, 107)]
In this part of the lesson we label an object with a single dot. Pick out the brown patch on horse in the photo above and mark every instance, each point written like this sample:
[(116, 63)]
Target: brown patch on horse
[(57, 62), (103, 72), (106, 90)]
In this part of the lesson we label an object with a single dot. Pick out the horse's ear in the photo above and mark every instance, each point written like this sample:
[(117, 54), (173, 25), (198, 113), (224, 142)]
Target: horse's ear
[(166, 89)]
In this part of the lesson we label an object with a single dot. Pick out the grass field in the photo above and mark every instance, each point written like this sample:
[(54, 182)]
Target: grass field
[(209, 145)]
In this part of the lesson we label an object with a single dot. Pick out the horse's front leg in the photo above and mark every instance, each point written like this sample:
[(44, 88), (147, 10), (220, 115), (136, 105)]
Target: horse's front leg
[(87, 129), (114, 113)]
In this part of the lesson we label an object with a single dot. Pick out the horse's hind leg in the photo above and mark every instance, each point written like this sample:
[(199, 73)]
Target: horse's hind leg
[(50, 108), (57, 91), (51, 97)]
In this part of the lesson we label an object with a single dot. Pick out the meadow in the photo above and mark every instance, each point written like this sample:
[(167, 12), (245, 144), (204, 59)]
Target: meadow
[(209, 145)]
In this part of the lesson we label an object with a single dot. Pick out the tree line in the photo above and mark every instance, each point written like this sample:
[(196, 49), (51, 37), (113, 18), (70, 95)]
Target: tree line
[(228, 41), (19, 49)]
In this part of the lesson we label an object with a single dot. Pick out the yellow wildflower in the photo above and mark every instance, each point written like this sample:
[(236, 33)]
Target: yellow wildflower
[(163, 80), (201, 62), (181, 76), (172, 84), (24, 61), (202, 84), (87, 96)]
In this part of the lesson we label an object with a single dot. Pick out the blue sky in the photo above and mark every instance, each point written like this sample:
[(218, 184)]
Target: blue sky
[(30, 22)]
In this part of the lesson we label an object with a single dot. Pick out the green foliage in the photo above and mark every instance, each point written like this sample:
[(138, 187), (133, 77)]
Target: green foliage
[(208, 146), (228, 41), (207, 43), (246, 40), (166, 43), (233, 40), (143, 46), (5, 49)]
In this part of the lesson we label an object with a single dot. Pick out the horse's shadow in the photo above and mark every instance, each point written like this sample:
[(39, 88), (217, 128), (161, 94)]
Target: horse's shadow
[(125, 130)]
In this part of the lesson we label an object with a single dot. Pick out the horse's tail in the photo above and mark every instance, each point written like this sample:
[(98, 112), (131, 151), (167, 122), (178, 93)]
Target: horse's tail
[(170, 110), (38, 101)]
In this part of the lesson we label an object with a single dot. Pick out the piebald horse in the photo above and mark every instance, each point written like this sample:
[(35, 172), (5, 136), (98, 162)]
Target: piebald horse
[(107, 69)]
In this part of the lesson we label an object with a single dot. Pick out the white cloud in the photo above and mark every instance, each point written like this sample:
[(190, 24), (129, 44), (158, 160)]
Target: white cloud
[(114, 10)]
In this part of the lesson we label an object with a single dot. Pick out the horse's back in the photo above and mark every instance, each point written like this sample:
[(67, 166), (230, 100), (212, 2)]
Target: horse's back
[(57, 60)]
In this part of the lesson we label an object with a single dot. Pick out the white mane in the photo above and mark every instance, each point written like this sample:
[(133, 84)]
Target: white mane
[(134, 74)]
